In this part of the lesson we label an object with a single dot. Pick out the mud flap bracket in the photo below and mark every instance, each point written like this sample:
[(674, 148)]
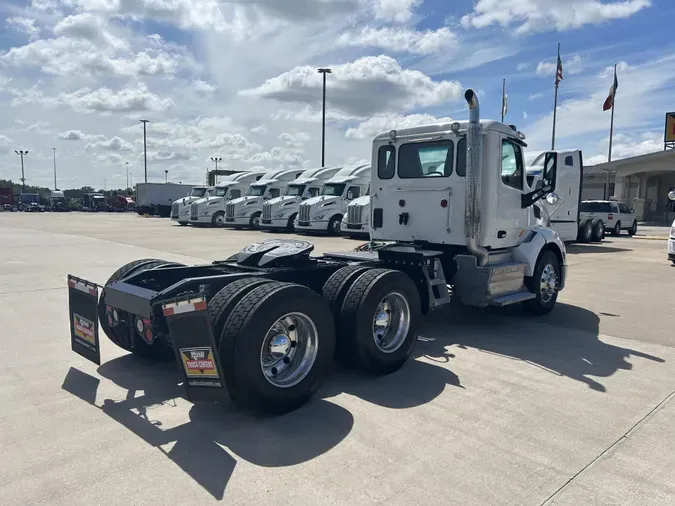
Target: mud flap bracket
[(193, 343), (83, 311)]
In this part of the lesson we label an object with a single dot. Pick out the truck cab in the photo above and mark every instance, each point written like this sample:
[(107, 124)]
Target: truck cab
[(281, 212), (30, 202), (180, 209), (210, 210), (246, 212), (324, 213), (461, 189), (58, 202), (356, 223)]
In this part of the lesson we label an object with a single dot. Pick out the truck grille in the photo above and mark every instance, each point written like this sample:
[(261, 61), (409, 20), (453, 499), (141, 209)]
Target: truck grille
[(303, 214), (229, 210), (194, 211), (267, 211), (174, 210), (354, 214)]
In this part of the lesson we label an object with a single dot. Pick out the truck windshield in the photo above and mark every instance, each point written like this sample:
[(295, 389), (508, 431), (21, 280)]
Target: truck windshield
[(218, 192), (256, 191), (295, 190), (198, 192), (333, 189)]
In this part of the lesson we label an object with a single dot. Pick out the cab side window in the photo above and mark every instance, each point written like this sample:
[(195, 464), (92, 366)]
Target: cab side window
[(313, 192), (461, 157), (274, 193), (353, 192), (512, 165), (235, 194), (386, 162)]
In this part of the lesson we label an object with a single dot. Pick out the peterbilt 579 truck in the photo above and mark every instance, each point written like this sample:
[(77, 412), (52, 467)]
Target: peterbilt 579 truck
[(281, 212), (246, 212), (453, 213), (180, 209), (324, 213), (356, 222), (210, 210)]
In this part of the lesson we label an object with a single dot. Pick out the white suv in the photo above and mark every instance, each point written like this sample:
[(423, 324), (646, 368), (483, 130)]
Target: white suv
[(615, 215)]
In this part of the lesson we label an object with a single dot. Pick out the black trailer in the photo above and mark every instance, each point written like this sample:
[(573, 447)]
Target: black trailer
[(264, 325)]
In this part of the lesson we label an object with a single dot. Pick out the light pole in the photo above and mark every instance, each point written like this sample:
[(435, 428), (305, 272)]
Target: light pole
[(127, 164), (145, 147), (55, 188), (215, 175), (324, 71), (22, 153), (166, 175)]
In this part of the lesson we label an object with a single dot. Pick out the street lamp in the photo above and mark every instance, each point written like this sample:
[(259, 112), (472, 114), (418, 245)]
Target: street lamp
[(22, 153), (166, 175), (55, 188), (145, 147), (215, 175), (127, 164), (324, 71)]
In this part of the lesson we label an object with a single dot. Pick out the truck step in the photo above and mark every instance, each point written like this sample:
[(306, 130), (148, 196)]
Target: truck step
[(512, 298)]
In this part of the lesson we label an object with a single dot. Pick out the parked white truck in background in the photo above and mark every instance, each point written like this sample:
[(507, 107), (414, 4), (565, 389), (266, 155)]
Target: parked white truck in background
[(156, 198), (180, 209), (324, 213), (245, 212), (210, 210), (356, 223), (280, 212)]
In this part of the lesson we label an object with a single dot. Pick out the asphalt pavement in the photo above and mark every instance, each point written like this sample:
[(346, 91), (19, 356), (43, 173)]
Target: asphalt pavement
[(497, 408)]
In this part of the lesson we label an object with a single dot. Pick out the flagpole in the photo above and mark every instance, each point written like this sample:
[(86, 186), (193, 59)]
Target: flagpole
[(555, 103), (503, 95), (611, 124)]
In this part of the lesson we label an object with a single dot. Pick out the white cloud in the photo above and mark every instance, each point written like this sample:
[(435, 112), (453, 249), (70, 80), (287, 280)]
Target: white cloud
[(114, 144), (522, 66), (626, 146), (367, 86), (395, 10), (75, 135), (535, 96), (401, 39), (373, 126), (295, 139), (571, 66), (308, 114), (23, 25), (541, 15), (260, 129)]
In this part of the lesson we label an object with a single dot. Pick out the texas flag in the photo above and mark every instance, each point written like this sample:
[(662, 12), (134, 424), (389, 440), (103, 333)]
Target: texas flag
[(609, 101)]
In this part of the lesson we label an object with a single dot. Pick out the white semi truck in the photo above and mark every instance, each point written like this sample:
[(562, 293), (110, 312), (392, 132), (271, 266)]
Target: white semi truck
[(566, 216), (356, 222), (280, 212), (452, 211), (210, 210), (180, 209), (245, 212), (324, 213)]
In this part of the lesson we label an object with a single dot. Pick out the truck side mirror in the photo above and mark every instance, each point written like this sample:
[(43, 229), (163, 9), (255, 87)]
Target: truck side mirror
[(548, 181)]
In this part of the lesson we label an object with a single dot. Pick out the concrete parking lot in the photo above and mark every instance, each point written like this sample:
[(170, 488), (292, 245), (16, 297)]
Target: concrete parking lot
[(497, 408)]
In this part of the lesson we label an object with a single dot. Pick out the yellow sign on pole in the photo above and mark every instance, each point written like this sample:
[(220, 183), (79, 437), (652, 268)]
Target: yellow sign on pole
[(669, 135)]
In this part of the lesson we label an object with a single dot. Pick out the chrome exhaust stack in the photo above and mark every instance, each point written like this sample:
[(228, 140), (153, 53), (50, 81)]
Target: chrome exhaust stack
[(474, 146)]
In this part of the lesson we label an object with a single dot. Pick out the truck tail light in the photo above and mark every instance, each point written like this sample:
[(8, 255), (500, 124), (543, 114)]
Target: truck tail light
[(610, 217)]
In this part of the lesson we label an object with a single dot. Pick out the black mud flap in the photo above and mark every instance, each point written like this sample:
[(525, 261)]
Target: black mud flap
[(83, 309), (195, 347)]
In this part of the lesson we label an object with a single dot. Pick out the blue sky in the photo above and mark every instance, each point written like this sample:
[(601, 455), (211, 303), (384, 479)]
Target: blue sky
[(237, 79)]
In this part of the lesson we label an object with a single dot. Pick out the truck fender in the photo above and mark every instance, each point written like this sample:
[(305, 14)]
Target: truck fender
[(528, 251)]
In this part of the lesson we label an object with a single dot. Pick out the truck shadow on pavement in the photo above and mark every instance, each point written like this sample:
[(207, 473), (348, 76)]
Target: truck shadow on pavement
[(198, 443), (603, 247), (565, 342)]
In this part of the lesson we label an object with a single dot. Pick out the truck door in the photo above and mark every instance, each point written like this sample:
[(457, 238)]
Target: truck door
[(512, 220)]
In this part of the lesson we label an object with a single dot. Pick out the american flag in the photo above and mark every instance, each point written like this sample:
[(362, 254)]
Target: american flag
[(559, 70)]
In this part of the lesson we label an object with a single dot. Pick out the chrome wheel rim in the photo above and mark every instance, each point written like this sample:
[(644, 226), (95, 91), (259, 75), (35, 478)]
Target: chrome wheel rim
[(220, 219), (289, 350), (391, 322), (336, 227), (548, 283), (256, 222)]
